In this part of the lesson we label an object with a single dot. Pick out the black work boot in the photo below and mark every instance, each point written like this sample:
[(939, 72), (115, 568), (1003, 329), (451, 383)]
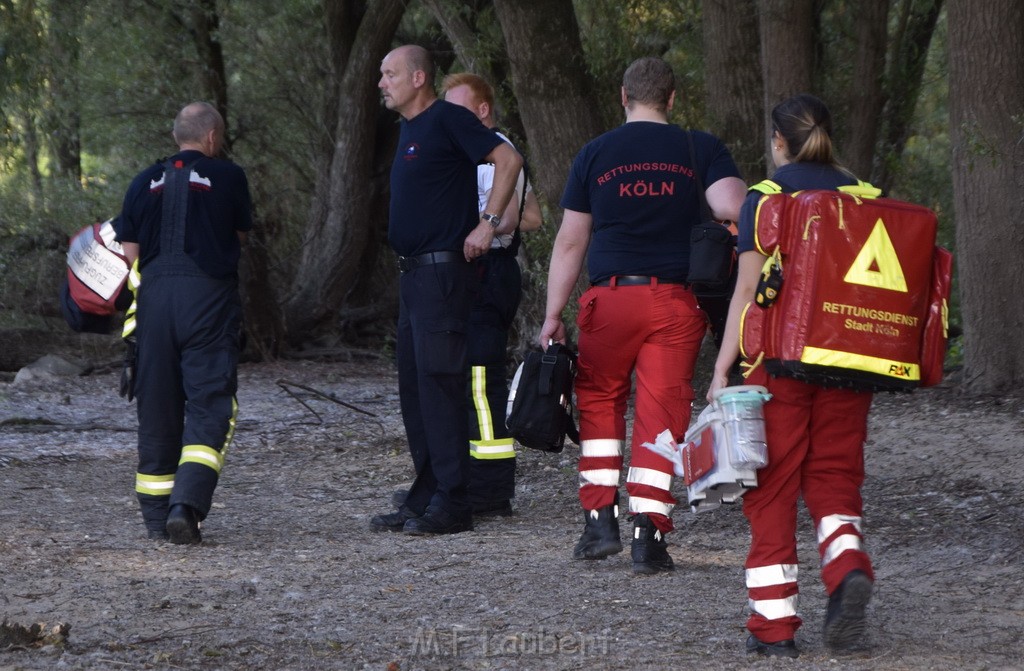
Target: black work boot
[(392, 521), (649, 549), (601, 535), (183, 525), (785, 648), (436, 521), (845, 621)]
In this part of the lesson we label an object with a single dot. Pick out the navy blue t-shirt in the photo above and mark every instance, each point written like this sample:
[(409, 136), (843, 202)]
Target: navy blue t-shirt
[(219, 205), (791, 177), (637, 182), (433, 179)]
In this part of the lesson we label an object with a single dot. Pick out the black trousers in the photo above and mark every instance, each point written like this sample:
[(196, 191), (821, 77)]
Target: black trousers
[(492, 453), (188, 336), (433, 318)]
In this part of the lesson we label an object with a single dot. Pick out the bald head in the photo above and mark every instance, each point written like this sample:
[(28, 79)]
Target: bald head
[(199, 126), (407, 80), (416, 58)]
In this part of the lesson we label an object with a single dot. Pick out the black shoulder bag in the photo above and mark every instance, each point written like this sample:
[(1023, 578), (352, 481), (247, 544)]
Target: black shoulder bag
[(712, 271)]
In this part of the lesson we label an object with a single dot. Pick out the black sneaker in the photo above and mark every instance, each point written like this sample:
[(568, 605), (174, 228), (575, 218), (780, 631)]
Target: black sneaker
[(600, 537), (786, 648), (183, 525), (436, 522), (649, 549), (493, 509), (845, 622), (392, 521)]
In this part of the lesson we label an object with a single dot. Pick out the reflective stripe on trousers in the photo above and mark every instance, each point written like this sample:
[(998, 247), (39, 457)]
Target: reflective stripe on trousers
[(650, 333)]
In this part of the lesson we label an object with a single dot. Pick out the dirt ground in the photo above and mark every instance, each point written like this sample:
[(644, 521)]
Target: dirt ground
[(290, 577)]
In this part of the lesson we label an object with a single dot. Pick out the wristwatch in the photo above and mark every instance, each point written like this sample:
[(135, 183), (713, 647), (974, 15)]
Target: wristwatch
[(492, 219)]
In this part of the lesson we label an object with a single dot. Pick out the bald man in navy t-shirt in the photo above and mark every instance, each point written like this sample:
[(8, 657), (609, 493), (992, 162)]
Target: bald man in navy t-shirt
[(437, 232)]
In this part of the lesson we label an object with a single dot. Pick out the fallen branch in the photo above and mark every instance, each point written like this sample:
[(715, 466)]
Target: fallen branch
[(174, 633), (284, 384), (41, 425)]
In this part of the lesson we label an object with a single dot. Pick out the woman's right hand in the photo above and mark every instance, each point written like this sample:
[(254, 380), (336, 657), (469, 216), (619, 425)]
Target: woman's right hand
[(718, 381)]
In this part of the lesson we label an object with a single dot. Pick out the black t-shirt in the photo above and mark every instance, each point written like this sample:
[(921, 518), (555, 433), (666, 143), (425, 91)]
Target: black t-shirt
[(637, 181), (433, 179), (791, 177), (219, 205)]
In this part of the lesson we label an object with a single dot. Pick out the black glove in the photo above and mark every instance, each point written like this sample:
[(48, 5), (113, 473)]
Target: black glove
[(127, 389)]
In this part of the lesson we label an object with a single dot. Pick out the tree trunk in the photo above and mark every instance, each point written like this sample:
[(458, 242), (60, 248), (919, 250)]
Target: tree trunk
[(864, 105), (907, 58), (458, 21), (787, 56), (33, 156), (337, 233), (551, 83), (732, 78), (205, 28), (986, 81), (64, 116), (464, 23), (263, 320)]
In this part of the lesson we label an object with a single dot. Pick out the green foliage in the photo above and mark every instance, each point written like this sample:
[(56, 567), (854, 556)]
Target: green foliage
[(31, 265), (617, 32), (137, 68), (138, 65), (277, 72)]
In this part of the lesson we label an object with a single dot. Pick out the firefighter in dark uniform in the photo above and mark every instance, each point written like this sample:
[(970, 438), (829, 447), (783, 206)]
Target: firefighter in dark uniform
[(436, 230), (182, 223), (491, 446)]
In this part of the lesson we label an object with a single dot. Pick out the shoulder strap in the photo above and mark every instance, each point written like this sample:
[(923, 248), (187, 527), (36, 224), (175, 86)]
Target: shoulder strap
[(861, 189), (175, 206), (705, 210), (767, 187)]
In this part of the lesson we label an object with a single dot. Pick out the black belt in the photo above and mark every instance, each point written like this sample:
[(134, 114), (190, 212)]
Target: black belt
[(635, 281), (407, 263)]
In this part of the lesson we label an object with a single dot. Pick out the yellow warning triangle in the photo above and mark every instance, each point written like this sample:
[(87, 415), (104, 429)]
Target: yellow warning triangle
[(877, 264)]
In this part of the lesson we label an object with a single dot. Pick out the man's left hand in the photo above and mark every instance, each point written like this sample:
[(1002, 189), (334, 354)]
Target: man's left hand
[(478, 241)]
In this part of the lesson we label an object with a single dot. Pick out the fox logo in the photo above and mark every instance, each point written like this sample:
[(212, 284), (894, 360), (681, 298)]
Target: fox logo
[(900, 370)]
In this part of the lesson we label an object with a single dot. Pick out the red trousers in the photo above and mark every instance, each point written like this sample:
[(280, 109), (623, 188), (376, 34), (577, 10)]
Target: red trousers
[(655, 331), (815, 450)]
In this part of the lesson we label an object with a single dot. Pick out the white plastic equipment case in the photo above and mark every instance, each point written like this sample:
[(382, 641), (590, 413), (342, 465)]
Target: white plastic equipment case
[(725, 447)]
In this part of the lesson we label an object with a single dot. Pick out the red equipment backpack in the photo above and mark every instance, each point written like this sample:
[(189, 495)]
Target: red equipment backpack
[(865, 297)]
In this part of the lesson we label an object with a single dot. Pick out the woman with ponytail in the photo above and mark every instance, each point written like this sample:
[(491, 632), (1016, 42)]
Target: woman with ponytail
[(815, 434)]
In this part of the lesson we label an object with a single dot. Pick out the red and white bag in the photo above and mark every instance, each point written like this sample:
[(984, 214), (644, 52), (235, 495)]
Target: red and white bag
[(97, 271)]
